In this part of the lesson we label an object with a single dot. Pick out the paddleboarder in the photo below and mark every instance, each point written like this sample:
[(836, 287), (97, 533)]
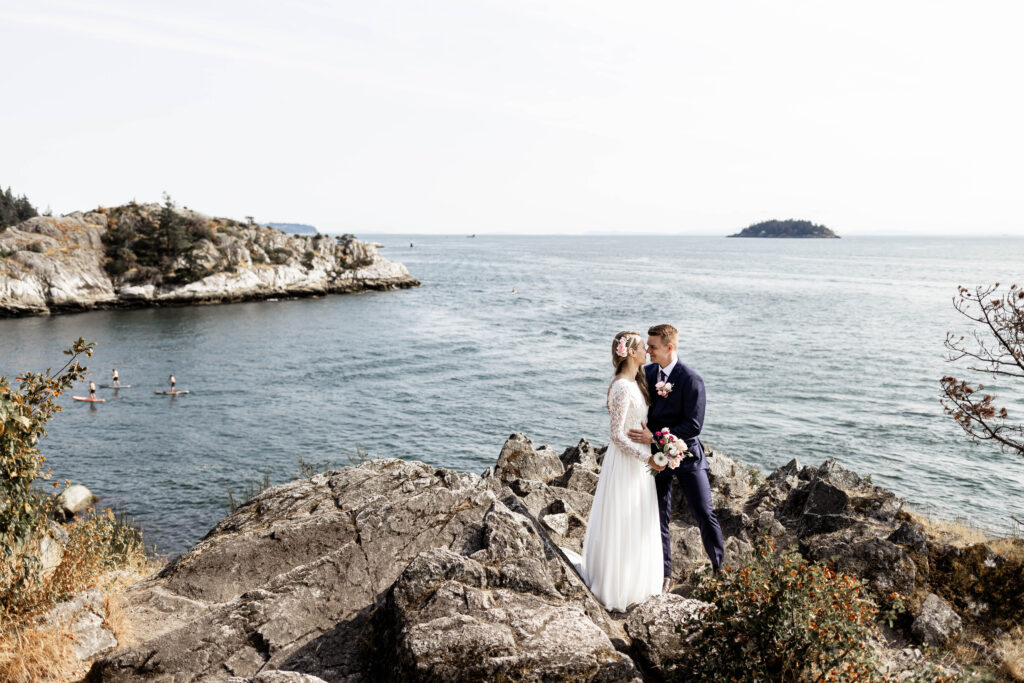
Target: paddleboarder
[(92, 390), (171, 380), (116, 382)]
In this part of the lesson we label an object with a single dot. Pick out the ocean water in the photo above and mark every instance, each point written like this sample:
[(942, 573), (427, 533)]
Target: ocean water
[(809, 349)]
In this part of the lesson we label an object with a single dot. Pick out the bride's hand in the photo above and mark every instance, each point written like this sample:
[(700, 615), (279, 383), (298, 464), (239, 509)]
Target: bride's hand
[(653, 466), (642, 436)]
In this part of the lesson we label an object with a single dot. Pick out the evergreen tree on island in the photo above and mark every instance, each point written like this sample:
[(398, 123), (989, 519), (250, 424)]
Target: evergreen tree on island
[(14, 210), (786, 228)]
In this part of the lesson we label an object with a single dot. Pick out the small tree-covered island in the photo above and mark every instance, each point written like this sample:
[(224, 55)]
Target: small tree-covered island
[(786, 228)]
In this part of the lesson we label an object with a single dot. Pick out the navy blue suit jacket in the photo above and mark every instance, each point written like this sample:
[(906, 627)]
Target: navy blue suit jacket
[(682, 411)]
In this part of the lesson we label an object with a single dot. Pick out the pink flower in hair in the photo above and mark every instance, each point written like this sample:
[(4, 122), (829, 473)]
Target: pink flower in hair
[(621, 351)]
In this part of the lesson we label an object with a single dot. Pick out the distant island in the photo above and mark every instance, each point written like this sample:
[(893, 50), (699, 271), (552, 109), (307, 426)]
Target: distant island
[(786, 228), (294, 228)]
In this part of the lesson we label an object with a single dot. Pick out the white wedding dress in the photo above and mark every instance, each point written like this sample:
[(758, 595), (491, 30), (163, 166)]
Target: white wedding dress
[(622, 561)]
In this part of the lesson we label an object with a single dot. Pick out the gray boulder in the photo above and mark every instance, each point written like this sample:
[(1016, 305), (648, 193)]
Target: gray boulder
[(728, 479), (497, 615), (84, 618), (662, 626), (911, 536), (578, 478), (820, 508), (884, 565), (582, 456), (295, 573), (838, 475), (937, 623), (73, 500), (277, 676), (520, 460)]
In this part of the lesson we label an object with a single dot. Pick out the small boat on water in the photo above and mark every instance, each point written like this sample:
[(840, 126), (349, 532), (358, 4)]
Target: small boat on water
[(88, 400), (111, 386), (171, 393)]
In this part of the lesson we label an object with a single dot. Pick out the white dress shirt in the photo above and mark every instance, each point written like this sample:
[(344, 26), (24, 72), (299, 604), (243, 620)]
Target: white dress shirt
[(669, 368)]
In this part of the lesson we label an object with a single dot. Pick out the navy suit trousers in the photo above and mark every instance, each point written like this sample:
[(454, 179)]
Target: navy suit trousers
[(697, 492)]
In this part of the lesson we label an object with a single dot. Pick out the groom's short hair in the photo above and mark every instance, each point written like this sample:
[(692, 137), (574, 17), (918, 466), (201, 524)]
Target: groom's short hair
[(668, 334)]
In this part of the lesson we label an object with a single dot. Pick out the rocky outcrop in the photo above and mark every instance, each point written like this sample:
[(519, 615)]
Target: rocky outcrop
[(84, 618), (661, 627), (395, 570), (937, 622), (510, 610), (55, 265), (323, 575)]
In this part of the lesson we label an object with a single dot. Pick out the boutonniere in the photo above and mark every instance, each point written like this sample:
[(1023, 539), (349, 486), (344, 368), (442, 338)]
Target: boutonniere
[(663, 388)]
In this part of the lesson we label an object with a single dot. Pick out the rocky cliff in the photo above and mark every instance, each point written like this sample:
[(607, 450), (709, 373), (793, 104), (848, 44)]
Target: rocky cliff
[(56, 265), (395, 570)]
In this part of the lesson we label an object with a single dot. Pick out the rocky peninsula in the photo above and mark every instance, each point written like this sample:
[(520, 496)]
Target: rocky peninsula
[(140, 255), (396, 570)]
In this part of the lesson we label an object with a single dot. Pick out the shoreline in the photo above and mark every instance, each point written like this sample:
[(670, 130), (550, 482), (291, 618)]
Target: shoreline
[(130, 304)]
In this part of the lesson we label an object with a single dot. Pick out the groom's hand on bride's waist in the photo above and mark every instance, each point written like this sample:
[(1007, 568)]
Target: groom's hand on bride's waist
[(642, 435)]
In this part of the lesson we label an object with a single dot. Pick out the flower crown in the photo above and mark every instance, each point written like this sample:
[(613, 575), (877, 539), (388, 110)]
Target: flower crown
[(622, 350)]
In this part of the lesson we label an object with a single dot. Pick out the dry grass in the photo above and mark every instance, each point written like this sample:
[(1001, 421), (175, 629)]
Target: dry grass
[(969, 649), (117, 621), (104, 553), (30, 651), (1011, 651), (961, 534), (955, 532), (35, 654)]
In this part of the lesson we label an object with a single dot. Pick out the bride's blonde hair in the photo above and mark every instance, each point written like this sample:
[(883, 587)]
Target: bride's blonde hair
[(631, 340)]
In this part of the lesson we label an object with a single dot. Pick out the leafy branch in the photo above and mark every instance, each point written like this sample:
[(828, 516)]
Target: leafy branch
[(996, 349)]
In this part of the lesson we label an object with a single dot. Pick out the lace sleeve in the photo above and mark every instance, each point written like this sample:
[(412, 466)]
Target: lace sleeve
[(618, 407)]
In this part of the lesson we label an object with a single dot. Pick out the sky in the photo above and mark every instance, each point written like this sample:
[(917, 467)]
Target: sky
[(494, 116)]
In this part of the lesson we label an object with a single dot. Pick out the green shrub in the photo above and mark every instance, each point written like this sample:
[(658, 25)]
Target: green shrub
[(782, 619), (23, 507), (230, 230), (14, 210), (252, 490), (280, 255), (158, 243), (256, 253), (308, 258)]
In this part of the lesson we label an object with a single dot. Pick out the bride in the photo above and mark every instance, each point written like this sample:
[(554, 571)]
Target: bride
[(622, 561)]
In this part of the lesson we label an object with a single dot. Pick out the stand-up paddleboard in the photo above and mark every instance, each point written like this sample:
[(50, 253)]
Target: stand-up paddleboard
[(172, 393), (111, 386), (89, 400)]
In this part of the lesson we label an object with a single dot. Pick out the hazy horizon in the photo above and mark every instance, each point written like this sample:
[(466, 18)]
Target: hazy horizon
[(525, 116)]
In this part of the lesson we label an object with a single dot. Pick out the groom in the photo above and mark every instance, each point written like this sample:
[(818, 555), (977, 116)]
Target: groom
[(678, 405)]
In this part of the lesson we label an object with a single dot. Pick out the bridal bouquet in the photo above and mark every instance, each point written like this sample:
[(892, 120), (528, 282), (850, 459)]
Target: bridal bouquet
[(671, 450)]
